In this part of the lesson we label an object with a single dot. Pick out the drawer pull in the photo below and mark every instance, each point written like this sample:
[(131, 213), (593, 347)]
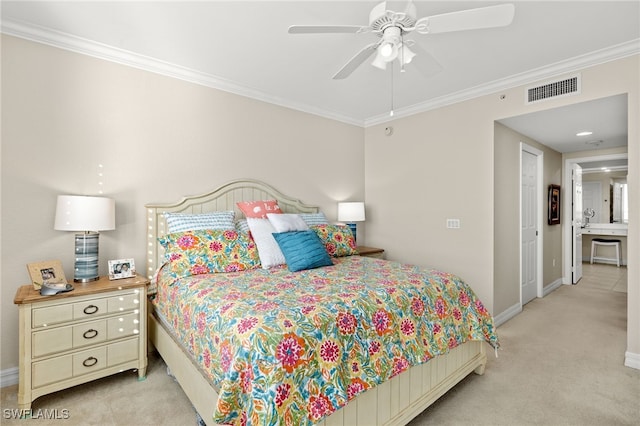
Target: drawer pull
[(90, 362), (90, 334), (91, 309)]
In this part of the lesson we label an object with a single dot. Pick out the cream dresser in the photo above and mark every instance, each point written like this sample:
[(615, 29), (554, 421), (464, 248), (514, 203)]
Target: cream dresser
[(96, 330)]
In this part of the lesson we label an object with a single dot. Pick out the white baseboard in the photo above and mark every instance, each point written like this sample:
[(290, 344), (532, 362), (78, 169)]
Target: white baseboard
[(551, 287), (506, 315), (514, 310), (9, 377), (632, 360)]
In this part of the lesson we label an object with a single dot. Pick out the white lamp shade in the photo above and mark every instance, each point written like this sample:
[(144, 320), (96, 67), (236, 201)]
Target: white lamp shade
[(83, 213), (351, 211)]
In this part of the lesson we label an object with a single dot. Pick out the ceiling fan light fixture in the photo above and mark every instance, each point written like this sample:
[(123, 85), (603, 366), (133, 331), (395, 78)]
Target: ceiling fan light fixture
[(388, 48), (406, 55), (379, 63), (388, 51)]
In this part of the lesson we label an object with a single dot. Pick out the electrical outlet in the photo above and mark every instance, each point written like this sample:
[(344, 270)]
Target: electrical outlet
[(453, 223)]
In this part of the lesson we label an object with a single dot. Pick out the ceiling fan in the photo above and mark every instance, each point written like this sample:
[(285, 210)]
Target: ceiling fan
[(392, 27)]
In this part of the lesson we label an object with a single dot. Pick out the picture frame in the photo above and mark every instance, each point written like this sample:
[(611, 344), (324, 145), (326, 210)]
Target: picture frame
[(554, 205), (49, 272), (121, 268)]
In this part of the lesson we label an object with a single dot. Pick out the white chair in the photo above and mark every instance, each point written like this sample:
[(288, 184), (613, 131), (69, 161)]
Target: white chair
[(605, 242)]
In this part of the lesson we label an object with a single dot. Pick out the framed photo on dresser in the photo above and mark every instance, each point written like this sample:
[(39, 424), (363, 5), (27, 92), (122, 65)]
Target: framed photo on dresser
[(121, 268), (49, 272)]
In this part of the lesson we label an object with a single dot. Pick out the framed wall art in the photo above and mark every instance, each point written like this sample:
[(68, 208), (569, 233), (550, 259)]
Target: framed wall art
[(121, 268), (49, 272), (554, 205)]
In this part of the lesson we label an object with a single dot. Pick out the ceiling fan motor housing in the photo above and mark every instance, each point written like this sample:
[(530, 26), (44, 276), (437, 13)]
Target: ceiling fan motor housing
[(382, 17)]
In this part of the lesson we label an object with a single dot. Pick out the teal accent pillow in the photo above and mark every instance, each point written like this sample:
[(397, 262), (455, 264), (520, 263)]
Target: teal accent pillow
[(302, 250)]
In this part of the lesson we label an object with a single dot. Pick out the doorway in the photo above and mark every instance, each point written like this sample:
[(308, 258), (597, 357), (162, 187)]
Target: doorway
[(569, 261)]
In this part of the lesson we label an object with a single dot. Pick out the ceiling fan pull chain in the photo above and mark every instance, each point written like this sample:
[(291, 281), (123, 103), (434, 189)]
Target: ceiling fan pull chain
[(391, 112), (402, 49)]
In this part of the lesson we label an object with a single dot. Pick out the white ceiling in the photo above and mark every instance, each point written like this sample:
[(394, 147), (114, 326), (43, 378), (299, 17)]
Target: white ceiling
[(557, 128), (243, 47)]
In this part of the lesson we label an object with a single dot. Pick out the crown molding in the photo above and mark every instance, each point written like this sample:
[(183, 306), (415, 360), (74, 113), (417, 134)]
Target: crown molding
[(102, 51)]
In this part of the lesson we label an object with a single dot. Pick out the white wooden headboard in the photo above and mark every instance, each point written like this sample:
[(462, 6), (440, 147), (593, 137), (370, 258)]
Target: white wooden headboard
[(221, 199)]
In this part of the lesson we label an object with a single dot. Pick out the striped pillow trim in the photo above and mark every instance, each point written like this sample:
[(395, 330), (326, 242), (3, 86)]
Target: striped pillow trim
[(181, 222)]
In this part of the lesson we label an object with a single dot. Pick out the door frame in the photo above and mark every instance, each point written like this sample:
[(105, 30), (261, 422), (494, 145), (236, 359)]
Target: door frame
[(540, 201), (567, 205)]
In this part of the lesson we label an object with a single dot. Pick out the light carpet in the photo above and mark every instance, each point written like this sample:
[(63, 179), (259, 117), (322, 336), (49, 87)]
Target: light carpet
[(560, 363)]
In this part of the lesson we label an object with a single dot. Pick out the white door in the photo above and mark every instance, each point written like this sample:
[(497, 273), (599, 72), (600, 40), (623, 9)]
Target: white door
[(529, 220), (576, 224)]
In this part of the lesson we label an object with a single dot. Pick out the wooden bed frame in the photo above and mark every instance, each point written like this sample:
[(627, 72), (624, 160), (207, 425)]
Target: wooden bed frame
[(394, 402)]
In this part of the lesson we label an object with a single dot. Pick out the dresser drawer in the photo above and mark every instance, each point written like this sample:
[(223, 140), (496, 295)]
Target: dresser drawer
[(52, 315), (80, 363), (89, 361), (51, 371), (122, 326), (89, 308), (120, 352), (89, 333), (125, 302), (62, 339), (51, 341)]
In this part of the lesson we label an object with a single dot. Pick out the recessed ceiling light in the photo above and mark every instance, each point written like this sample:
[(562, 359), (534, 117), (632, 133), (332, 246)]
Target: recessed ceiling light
[(587, 133)]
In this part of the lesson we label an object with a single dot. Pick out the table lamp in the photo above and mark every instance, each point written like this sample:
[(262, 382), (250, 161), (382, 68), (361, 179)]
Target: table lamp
[(351, 212), (86, 215)]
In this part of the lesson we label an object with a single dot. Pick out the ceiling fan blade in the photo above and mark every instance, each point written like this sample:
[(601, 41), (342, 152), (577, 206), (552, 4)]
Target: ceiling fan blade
[(326, 29), (470, 19), (424, 61), (356, 61)]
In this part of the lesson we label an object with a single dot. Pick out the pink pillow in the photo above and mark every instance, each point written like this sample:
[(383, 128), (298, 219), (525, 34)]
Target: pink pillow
[(259, 209)]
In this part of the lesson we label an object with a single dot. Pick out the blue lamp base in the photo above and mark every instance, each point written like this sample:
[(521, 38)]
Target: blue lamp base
[(354, 230), (86, 260)]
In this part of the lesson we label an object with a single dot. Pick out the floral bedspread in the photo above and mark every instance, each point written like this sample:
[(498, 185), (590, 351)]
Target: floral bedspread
[(292, 347)]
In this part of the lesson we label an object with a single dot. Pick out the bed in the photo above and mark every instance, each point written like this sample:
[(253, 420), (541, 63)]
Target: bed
[(364, 384)]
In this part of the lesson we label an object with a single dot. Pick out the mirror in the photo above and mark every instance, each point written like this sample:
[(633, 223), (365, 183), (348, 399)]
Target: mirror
[(619, 211), (604, 190)]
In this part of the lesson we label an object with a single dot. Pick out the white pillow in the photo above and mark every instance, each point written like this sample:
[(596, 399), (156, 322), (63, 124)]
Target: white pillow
[(287, 222), (268, 249)]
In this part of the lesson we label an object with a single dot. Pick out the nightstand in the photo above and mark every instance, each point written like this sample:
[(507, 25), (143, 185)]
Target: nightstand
[(370, 252), (98, 329)]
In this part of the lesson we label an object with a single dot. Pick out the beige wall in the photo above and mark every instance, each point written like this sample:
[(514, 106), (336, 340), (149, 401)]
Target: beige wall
[(506, 291), (157, 138), (440, 164)]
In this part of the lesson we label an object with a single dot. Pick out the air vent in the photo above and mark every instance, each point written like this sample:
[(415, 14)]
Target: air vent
[(554, 89)]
